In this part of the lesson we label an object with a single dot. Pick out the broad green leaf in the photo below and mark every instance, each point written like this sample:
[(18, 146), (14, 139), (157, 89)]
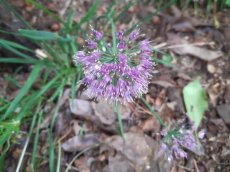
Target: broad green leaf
[(38, 35), (195, 101), (228, 2)]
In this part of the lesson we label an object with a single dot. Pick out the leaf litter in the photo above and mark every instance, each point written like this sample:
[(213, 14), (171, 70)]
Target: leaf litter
[(185, 39)]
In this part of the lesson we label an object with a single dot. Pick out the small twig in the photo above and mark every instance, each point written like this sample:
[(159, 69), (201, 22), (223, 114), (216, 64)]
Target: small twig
[(196, 167), (73, 168), (65, 135), (185, 168), (79, 154)]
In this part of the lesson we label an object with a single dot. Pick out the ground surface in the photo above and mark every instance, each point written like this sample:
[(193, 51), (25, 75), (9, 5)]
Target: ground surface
[(199, 45)]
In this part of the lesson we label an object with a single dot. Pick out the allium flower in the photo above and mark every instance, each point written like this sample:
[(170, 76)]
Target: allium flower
[(118, 72), (179, 137)]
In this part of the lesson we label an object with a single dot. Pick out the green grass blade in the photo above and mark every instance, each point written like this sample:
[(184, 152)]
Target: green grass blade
[(118, 110), (35, 146), (11, 9), (36, 96), (31, 79), (28, 138), (114, 37), (15, 45), (57, 107), (38, 35), (44, 9), (15, 51), (122, 13), (3, 156), (17, 60), (59, 158), (51, 152), (88, 16), (7, 128)]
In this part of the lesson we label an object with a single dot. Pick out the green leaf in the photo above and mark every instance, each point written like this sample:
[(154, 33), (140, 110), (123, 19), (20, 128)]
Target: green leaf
[(195, 101), (228, 2), (14, 44), (7, 128), (17, 60), (167, 59), (38, 35), (91, 12), (31, 79)]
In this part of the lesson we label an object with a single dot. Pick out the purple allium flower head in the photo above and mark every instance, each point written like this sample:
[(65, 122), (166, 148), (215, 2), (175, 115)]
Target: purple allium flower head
[(179, 138), (116, 75)]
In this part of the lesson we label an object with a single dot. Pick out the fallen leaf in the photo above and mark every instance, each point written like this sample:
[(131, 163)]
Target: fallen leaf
[(183, 47), (150, 124), (195, 101), (224, 112), (82, 164), (135, 148), (106, 112), (80, 143), (119, 164), (80, 107)]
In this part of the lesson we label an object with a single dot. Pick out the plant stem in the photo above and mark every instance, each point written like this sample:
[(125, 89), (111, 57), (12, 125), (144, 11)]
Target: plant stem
[(118, 110), (156, 115)]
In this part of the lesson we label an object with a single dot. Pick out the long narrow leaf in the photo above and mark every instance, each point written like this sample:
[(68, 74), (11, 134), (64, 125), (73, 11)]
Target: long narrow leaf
[(38, 35), (37, 96), (17, 60), (31, 79), (15, 45)]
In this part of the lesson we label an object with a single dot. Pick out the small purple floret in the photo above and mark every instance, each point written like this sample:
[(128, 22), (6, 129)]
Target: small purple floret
[(120, 35), (134, 35), (91, 44), (98, 35), (121, 45), (201, 133)]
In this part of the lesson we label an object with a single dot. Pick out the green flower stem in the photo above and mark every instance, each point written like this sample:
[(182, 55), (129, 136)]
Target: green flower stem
[(118, 111), (156, 115), (114, 37)]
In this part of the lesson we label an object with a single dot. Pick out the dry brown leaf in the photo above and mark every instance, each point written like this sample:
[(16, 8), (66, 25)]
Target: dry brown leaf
[(183, 47), (135, 148), (151, 124), (119, 164), (224, 112), (79, 143), (106, 112), (80, 107)]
